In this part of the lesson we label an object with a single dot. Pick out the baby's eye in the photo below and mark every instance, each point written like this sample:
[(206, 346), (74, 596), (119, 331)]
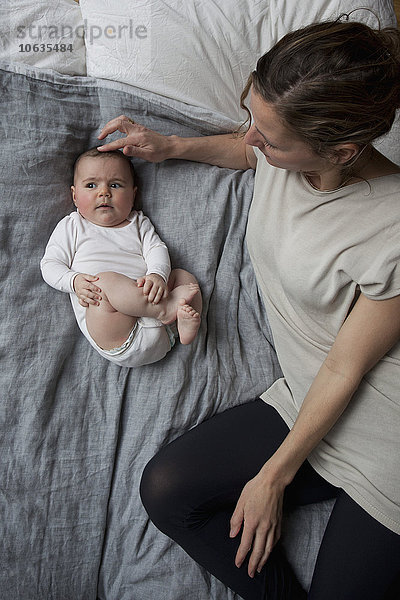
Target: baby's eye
[(115, 185), (90, 185)]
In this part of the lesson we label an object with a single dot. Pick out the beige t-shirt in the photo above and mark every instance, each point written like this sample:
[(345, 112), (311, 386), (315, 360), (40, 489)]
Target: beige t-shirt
[(312, 251)]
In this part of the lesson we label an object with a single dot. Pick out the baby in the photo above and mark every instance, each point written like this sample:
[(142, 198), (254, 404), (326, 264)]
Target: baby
[(116, 269)]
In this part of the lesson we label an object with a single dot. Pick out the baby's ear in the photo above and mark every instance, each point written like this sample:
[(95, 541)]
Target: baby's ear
[(73, 194)]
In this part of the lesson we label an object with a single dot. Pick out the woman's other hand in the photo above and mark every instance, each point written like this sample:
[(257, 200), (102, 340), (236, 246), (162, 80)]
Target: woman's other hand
[(259, 511), (138, 141)]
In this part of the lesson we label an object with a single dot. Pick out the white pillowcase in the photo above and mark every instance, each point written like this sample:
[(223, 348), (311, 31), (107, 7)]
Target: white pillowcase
[(48, 34), (199, 51)]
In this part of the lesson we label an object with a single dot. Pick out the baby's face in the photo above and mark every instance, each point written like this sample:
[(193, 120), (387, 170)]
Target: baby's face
[(103, 191)]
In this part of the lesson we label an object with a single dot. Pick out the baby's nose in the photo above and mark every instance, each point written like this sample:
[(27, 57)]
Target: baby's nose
[(104, 190)]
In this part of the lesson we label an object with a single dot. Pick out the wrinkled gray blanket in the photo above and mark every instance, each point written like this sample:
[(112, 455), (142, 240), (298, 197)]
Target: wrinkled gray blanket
[(77, 431)]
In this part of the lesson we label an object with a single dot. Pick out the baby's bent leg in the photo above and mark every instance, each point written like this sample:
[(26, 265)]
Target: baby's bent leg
[(108, 327), (122, 302)]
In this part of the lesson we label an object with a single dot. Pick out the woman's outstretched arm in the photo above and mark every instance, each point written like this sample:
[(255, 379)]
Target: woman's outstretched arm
[(226, 150)]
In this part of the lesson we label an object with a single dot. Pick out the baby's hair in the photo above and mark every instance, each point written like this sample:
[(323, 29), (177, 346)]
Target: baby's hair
[(94, 153), (332, 83)]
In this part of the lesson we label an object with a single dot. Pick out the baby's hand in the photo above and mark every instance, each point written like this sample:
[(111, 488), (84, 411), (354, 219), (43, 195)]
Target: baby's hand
[(154, 287), (86, 291)]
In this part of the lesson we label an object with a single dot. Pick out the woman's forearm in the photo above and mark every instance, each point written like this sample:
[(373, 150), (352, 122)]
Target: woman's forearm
[(327, 398), (227, 150)]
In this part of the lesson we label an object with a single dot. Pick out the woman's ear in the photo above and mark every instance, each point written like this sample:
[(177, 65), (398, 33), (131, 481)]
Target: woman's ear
[(344, 153)]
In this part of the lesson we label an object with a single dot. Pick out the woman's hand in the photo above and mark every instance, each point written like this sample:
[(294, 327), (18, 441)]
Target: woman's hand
[(154, 287), (259, 510), (139, 141), (86, 291)]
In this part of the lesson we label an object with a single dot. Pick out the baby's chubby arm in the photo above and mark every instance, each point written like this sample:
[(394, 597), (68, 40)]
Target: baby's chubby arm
[(58, 257), (56, 265), (156, 256)]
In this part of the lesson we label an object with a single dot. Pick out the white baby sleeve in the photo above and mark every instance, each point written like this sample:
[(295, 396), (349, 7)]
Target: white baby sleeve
[(155, 252), (60, 250)]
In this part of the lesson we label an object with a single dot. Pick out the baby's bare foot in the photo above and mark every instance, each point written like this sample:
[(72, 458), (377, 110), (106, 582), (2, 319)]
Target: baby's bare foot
[(188, 322), (177, 297)]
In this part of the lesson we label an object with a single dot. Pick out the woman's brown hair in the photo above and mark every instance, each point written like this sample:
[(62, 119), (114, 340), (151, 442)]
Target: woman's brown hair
[(332, 82)]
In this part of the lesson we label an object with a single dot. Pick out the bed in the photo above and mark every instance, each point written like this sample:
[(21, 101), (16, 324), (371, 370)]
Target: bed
[(77, 431)]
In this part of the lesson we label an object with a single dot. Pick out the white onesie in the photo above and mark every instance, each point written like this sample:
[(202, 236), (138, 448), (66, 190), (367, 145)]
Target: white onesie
[(79, 246)]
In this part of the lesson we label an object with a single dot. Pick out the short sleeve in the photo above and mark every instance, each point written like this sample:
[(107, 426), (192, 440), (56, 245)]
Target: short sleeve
[(370, 254), (382, 278)]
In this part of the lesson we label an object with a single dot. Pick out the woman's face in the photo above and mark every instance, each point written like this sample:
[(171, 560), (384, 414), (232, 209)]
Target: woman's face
[(279, 146)]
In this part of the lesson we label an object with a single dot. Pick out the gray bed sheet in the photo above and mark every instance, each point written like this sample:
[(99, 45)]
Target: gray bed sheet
[(76, 430)]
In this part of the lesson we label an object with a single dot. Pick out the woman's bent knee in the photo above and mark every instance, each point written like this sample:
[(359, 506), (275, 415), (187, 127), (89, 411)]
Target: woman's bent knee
[(154, 488), (160, 491)]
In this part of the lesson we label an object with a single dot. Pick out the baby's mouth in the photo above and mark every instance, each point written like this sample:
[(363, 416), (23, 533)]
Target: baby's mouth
[(104, 206)]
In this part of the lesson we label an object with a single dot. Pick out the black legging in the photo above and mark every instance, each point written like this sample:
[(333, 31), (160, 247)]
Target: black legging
[(190, 489)]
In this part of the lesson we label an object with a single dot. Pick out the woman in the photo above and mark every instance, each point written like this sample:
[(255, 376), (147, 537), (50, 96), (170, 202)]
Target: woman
[(324, 238)]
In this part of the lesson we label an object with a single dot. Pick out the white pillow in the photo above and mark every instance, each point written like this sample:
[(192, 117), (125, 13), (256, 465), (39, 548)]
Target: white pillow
[(199, 51), (288, 15), (48, 34)]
